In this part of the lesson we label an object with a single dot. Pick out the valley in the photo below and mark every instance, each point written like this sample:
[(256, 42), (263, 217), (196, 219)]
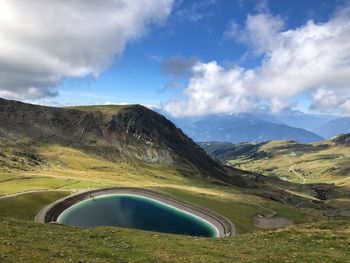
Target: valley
[(325, 162), (322, 162), (43, 162)]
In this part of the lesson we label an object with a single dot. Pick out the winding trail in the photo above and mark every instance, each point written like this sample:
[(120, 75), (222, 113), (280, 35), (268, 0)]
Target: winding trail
[(291, 169)]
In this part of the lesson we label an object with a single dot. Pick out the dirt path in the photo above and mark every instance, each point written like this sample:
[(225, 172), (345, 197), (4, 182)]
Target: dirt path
[(272, 222), (291, 169), (8, 196)]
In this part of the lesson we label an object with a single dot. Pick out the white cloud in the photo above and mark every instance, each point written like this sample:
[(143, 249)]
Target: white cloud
[(42, 42), (213, 86), (313, 59), (324, 99), (259, 32), (345, 106)]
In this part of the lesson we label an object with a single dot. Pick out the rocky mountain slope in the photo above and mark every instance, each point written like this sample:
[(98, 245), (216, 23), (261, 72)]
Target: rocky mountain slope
[(132, 133)]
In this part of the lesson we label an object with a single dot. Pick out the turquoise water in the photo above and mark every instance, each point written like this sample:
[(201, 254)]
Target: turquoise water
[(132, 211)]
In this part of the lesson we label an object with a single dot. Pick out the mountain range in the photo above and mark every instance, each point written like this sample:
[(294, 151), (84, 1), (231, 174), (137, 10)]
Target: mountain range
[(262, 126), (334, 127)]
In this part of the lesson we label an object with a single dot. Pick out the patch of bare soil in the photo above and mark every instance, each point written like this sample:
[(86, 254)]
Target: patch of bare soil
[(271, 221)]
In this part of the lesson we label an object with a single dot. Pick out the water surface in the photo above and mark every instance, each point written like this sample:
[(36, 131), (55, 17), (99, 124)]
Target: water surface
[(133, 211)]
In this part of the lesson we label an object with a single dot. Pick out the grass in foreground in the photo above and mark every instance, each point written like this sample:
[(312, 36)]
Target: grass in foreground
[(22, 241)]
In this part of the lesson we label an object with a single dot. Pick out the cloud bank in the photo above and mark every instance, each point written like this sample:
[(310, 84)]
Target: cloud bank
[(313, 59), (42, 42)]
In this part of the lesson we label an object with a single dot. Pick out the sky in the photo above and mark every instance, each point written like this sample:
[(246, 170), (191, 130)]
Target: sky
[(188, 58)]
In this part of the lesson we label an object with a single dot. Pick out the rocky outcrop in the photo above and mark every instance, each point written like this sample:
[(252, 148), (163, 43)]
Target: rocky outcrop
[(342, 139)]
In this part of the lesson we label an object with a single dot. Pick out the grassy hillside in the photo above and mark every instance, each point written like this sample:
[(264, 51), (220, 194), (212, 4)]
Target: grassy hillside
[(26, 206), (17, 155), (323, 162), (326, 162), (28, 242), (105, 109)]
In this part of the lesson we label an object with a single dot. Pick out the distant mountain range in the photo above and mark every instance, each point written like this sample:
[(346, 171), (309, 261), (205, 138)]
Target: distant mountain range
[(262, 126), (241, 128), (334, 127), (296, 118), (326, 126)]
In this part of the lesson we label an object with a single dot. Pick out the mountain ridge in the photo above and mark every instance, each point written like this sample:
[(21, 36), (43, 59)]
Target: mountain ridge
[(129, 133), (334, 127)]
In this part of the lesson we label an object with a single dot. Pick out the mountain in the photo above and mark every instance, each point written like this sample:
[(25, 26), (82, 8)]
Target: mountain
[(241, 128), (118, 133), (334, 127), (295, 118)]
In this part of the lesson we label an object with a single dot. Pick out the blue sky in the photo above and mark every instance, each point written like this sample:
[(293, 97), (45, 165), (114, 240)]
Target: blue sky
[(135, 76), (195, 32)]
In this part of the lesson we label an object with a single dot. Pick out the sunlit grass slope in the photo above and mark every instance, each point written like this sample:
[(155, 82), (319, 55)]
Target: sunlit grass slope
[(105, 109), (23, 241), (27, 206), (324, 162)]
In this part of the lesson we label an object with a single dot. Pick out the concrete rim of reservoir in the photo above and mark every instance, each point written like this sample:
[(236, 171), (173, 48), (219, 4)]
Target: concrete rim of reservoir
[(50, 213)]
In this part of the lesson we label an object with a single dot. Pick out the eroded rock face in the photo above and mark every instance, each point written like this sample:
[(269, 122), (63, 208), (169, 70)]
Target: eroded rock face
[(45, 124), (148, 130), (18, 156)]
